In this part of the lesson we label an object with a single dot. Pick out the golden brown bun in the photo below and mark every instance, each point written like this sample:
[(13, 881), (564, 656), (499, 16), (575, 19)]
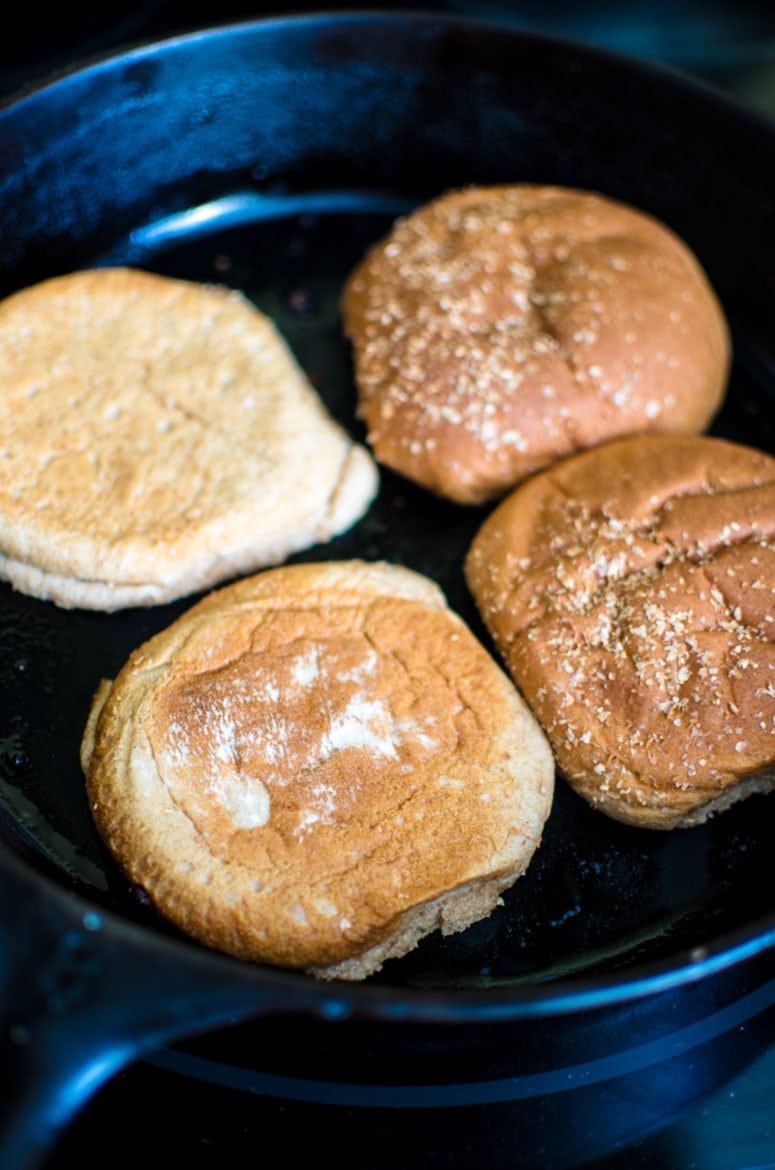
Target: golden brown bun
[(630, 591), (498, 329), (317, 766), (158, 438)]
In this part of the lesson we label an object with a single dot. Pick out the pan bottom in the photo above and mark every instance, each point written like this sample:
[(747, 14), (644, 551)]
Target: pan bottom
[(619, 1124), (611, 896)]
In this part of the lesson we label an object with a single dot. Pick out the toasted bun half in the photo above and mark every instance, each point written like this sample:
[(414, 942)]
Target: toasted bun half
[(497, 329), (630, 590), (158, 438), (317, 766)]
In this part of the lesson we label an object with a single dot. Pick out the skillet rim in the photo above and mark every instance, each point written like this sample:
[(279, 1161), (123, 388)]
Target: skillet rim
[(541, 998), (662, 72)]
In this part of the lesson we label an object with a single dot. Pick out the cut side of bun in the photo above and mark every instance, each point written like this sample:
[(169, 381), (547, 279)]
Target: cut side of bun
[(159, 438), (317, 766)]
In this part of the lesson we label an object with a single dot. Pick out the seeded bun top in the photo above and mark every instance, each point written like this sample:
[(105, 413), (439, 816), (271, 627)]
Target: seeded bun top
[(498, 329), (631, 592)]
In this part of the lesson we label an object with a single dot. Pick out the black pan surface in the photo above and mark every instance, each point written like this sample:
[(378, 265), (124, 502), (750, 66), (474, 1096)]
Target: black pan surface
[(268, 156), (599, 897)]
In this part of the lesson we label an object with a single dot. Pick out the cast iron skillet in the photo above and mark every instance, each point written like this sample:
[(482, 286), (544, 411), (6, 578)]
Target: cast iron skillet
[(616, 982)]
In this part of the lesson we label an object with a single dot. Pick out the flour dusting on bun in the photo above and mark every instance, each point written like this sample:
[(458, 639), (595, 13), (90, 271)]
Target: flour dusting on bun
[(318, 766)]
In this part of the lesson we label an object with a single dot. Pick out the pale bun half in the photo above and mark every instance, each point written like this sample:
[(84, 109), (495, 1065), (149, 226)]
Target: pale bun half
[(159, 437)]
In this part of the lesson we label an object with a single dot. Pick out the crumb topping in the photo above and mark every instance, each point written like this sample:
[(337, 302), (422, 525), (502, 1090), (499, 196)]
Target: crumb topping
[(645, 643), (500, 328)]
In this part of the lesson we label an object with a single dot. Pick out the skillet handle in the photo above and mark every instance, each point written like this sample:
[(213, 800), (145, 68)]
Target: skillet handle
[(83, 994)]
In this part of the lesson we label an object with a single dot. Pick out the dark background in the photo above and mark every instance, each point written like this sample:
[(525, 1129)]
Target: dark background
[(727, 43)]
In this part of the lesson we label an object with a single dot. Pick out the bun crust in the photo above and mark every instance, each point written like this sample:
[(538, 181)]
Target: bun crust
[(159, 438), (630, 591), (497, 329), (317, 766)]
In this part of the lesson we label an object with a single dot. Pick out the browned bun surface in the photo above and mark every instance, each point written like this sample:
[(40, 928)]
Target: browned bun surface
[(497, 329), (317, 766), (630, 591)]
